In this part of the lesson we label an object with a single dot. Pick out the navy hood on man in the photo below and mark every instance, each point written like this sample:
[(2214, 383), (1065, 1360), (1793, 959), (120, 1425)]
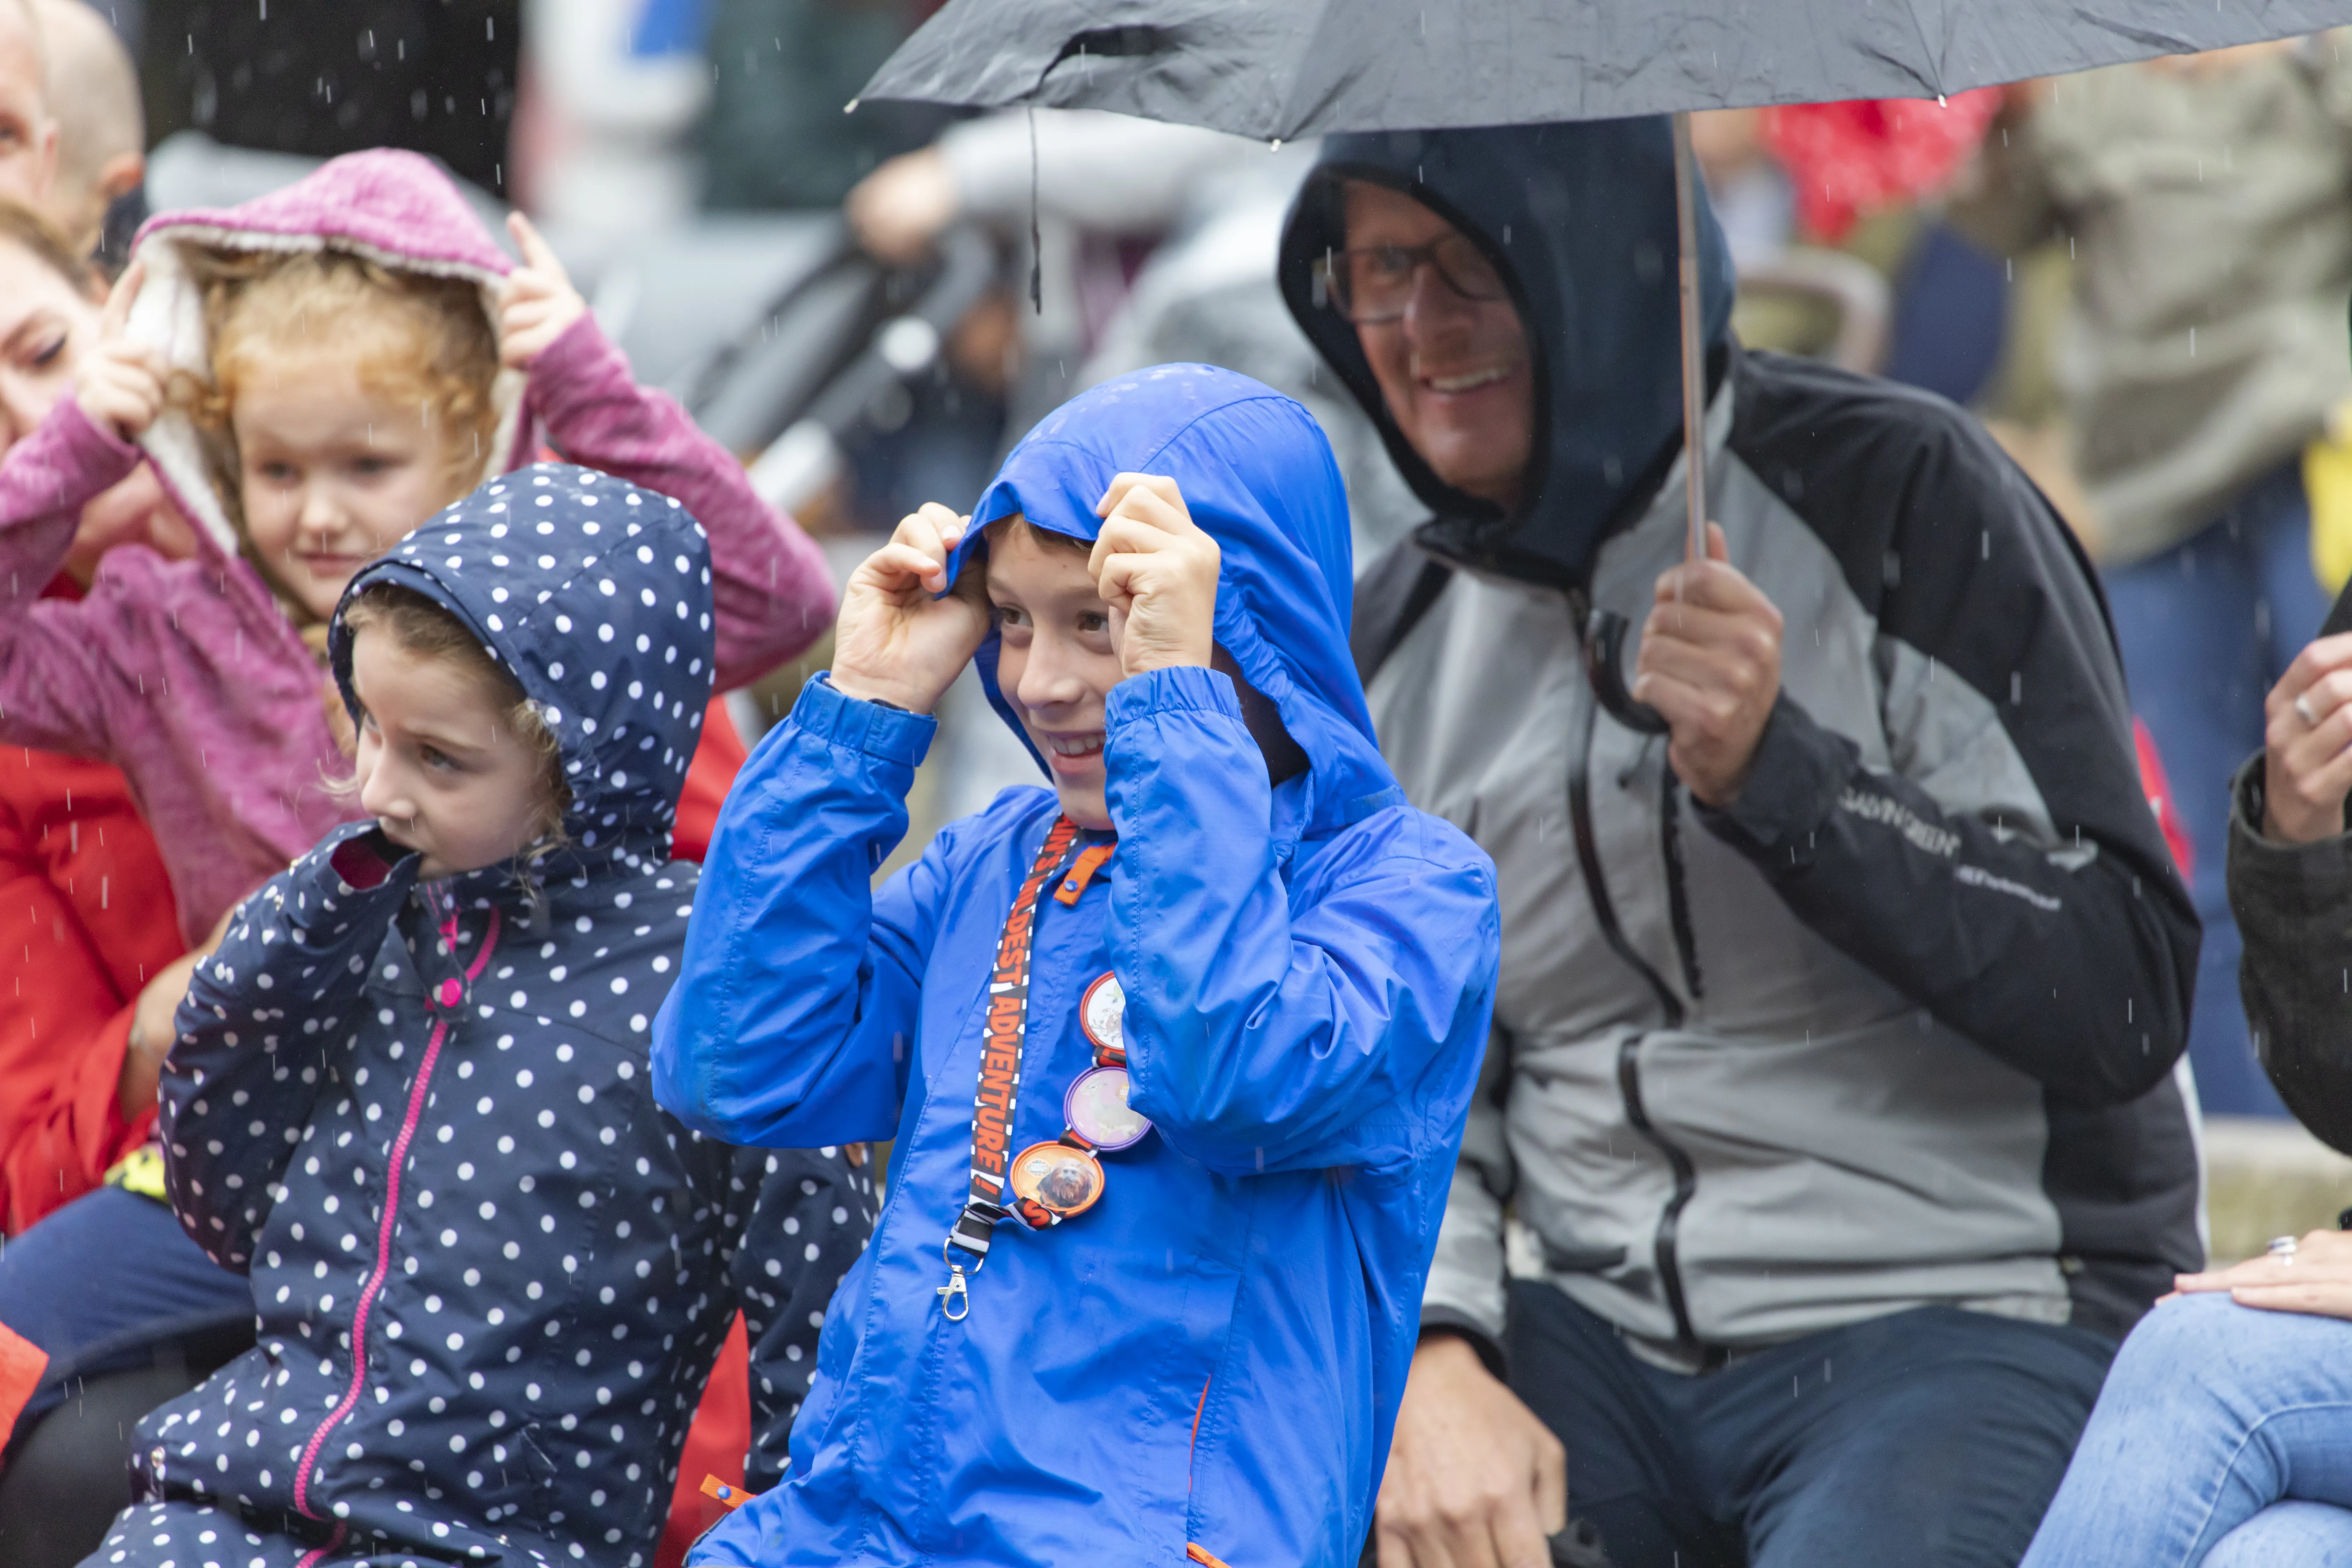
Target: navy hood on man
[(1579, 220), (489, 1273)]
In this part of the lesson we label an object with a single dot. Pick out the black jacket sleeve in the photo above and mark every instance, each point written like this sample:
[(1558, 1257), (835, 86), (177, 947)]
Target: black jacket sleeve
[(2294, 907), (814, 1215), (2061, 939), (260, 1015)]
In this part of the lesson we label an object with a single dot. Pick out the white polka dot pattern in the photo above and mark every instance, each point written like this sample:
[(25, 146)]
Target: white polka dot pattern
[(489, 1272)]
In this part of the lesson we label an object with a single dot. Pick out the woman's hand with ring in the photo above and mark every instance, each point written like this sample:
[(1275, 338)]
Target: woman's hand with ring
[(2314, 1275), (2307, 744)]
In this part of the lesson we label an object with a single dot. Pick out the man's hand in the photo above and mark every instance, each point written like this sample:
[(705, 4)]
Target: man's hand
[(539, 303), (1710, 665), (1474, 1480), (119, 384), (897, 641), (2318, 1279), (898, 209), (1158, 572), (2307, 744)]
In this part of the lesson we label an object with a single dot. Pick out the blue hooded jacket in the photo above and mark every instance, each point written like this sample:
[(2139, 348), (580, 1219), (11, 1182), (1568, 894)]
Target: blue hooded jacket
[(1210, 1358), (490, 1273)]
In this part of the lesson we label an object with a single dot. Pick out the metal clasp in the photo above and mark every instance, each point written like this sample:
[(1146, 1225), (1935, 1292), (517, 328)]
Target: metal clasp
[(958, 1298)]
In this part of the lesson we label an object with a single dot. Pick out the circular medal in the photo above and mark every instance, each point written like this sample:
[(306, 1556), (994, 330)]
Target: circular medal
[(1057, 1178), (1102, 1014), (1096, 1110)]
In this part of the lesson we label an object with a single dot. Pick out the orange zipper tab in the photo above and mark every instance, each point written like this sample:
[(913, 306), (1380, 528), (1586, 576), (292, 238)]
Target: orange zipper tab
[(1082, 871)]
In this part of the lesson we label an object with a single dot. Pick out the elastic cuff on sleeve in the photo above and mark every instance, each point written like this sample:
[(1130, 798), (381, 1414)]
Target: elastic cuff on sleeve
[(86, 437), (565, 372), (1436, 1321), (1180, 688), (2273, 879), (890, 733), (1792, 786)]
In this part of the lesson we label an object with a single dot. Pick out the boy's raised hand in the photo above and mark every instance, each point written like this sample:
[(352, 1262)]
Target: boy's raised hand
[(119, 384), (1158, 572), (539, 303), (896, 640)]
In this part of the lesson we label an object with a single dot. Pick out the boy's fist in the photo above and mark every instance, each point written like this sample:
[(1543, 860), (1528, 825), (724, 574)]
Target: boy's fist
[(1158, 572), (119, 384), (896, 640), (539, 303)]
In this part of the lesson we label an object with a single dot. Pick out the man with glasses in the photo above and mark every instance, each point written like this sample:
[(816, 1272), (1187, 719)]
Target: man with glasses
[(1844, 967)]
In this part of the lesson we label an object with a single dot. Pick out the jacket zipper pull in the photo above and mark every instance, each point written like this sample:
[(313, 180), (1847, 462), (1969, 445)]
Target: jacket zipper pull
[(957, 1300)]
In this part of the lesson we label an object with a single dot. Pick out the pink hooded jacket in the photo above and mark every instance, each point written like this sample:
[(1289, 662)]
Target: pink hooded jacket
[(188, 674)]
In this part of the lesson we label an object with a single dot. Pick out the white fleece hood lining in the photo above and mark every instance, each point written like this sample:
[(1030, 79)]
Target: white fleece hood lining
[(168, 315)]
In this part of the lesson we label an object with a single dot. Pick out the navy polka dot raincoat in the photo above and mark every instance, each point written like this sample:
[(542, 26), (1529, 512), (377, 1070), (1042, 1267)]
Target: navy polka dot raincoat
[(490, 1273)]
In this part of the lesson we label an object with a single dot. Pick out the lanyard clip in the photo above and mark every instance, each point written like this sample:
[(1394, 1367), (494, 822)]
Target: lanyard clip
[(956, 1298)]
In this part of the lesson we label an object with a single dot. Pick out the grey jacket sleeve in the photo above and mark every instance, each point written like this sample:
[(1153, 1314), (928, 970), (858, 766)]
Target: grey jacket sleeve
[(2293, 908), (1464, 1294), (1998, 864)]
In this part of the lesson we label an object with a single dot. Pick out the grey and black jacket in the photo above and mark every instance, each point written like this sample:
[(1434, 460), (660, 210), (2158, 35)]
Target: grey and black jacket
[(1901, 1027)]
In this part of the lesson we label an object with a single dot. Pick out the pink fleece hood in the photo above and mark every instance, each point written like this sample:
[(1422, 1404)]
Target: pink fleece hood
[(394, 209)]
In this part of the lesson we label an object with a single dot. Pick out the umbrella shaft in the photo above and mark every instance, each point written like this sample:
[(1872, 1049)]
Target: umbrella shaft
[(1694, 349)]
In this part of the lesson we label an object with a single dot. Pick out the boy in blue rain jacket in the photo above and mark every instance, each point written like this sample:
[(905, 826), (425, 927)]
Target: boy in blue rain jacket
[(1075, 1337)]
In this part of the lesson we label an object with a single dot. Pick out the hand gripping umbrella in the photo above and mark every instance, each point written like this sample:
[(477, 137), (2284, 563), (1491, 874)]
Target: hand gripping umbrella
[(1278, 70)]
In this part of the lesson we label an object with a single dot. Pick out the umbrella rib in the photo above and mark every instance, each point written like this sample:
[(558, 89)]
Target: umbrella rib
[(1931, 59)]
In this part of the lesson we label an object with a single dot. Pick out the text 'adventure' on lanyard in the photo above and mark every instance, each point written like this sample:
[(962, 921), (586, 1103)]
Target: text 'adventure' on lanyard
[(1046, 1183)]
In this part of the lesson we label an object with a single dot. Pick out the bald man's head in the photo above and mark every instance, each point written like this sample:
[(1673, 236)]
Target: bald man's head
[(29, 136), (101, 127)]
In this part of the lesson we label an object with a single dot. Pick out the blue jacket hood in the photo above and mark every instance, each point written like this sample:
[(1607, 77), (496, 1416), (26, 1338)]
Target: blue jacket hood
[(1580, 220), (1258, 476), (596, 595)]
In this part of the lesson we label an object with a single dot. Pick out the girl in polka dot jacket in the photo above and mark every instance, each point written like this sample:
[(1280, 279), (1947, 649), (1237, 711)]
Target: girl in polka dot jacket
[(410, 1094)]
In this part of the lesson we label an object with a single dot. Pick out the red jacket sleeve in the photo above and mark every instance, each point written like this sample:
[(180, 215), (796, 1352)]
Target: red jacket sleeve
[(709, 777), (86, 914)]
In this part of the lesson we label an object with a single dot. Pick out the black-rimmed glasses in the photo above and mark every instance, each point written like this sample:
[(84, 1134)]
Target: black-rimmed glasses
[(1369, 283)]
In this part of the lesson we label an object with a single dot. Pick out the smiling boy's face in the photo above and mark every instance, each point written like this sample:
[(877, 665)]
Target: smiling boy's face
[(1056, 663)]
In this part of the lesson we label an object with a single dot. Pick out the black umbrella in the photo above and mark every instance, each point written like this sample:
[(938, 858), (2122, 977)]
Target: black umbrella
[(1276, 69)]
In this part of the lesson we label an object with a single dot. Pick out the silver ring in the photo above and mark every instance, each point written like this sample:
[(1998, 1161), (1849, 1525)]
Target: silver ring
[(2282, 1248), (2303, 711)]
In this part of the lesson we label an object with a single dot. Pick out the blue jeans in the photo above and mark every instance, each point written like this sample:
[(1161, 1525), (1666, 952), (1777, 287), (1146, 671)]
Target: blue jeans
[(103, 1282), (2206, 628), (2224, 1437), (1931, 1437)]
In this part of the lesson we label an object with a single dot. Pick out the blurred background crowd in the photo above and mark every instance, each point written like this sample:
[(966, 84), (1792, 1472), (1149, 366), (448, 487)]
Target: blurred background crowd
[(2137, 278)]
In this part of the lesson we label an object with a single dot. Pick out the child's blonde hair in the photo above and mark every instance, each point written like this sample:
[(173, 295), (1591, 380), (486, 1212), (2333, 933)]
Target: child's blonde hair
[(411, 338), (426, 630)]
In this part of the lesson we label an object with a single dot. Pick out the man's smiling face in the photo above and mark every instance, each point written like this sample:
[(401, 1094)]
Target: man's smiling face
[(1455, 372)]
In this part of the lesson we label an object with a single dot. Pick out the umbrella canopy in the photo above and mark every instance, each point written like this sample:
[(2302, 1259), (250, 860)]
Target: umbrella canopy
[(1276, 69)]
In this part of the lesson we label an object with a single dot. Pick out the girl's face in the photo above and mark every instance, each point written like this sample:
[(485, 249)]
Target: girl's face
[(331, 473), (439, 766), (1056, 664)]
